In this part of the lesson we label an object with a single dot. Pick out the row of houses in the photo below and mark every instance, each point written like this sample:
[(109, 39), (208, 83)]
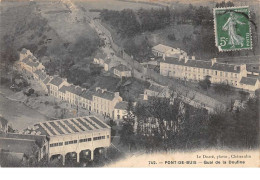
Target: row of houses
[(29, 65), (99, 100), (176, 63), (186, 68)]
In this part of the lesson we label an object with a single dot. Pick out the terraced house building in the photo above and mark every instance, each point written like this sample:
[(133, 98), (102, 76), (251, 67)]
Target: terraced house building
[(196, 70), (55, 84), (104, 102), (75, 138)]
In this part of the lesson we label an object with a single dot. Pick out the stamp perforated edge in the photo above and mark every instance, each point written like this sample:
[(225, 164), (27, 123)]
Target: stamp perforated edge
[(215, 29)]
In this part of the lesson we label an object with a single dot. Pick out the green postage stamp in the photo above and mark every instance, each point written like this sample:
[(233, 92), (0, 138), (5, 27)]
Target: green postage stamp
[(232, 28)]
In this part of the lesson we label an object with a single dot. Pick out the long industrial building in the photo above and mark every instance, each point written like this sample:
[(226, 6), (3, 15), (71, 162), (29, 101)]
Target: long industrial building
[(77, 138)]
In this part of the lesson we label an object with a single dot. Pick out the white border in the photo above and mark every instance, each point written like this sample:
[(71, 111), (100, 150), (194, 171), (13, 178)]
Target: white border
[(215, 29)]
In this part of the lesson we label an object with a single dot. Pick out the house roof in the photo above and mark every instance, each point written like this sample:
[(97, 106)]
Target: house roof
[(122, 67), (42, 75), (24, 51), (248, 81), (203, 64), (63, 89), (47, 80), (56, 81), (162, 48), (100, 55), (104, 94), (74, 89), (87, 94), (107, 60), (121, 105), (156, 88), (30, 62), (70, 126)]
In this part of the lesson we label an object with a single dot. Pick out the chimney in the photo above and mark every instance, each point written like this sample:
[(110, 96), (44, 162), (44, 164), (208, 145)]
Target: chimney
[(193, 57), (116, 94), (213, 61), (186, 59), (180, 57), (97, 88), (103, 90)]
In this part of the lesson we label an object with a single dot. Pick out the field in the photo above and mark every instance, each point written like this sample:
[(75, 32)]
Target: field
[(69, 24)]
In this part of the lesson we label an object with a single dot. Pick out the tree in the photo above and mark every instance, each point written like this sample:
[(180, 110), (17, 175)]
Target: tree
[(222, 88), (127, 135), (112, 124), (205, 84)]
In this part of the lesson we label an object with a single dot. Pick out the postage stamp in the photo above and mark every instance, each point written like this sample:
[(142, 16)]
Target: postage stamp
[(232, 28)]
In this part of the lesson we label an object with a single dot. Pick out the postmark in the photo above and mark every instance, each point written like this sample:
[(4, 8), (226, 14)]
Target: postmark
[(232, 28)]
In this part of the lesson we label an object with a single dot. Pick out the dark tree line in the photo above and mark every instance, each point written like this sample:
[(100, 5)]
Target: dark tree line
[(129, 22), (163, 125)]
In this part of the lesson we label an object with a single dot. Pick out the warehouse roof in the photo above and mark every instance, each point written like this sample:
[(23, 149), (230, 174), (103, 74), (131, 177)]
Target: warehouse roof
[(69, 126)]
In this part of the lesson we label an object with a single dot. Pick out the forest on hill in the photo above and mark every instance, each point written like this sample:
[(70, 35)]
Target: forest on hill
[(130, 24)]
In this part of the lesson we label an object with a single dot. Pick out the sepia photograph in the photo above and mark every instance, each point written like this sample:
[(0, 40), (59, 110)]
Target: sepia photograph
[(129, 83)]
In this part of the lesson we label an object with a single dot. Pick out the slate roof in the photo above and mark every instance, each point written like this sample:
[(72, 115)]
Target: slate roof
[(74, 89), (122, 67), (63, 89), (42, 75), (23, 51), (162, 48), (29, 62), (47, 80), (156, 88), (105, 94), (100, 55), (87, 94), (248, 81), (203, 64), (56, 81), (121, 105)]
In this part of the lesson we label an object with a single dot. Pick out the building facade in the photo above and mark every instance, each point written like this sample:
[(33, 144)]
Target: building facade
[(122, 71), (77, 138), (197, 70), (104, 102)]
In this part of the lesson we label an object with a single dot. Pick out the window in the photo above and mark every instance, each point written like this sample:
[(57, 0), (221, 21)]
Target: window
[(84, 140), (56, 144), (98, 138), (107, 136), (71, 142)]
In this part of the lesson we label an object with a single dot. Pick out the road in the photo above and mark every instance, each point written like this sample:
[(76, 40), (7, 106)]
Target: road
[(190, 94)]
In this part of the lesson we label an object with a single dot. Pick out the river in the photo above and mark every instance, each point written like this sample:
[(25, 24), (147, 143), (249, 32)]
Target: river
[(18, 114)]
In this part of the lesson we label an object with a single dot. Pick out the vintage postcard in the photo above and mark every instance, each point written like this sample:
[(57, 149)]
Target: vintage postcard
[(129, 83)]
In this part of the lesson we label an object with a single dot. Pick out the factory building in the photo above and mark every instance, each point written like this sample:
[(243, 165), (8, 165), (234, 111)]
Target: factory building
[(78, 138)]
